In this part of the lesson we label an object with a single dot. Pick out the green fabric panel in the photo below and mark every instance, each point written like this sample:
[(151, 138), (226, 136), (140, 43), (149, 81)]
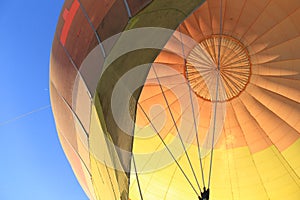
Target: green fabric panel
[(164, 13), (160, 13)]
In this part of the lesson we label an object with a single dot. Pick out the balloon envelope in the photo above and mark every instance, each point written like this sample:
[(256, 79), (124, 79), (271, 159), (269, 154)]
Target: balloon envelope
[(142, 90)]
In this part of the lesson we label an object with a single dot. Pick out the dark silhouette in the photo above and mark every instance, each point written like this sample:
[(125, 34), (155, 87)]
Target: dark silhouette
[(204, 194)]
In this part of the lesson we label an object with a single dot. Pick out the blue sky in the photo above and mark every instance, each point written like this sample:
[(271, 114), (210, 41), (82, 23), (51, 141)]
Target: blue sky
[(33, 165)]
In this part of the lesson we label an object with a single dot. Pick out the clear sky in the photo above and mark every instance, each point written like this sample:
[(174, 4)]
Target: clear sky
[(33, 165)]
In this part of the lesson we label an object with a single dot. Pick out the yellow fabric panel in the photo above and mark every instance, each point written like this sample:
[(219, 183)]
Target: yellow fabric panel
[(85, 162), (161, 184), (77, 165), (155, 184), (104, 181), (237, 174), (82, 146), (148, 131), (291, 155), (89, 182), (277, 176), (103, 175)]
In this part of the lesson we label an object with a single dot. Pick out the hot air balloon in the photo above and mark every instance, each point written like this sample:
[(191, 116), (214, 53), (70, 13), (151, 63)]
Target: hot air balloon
[(172, 99)]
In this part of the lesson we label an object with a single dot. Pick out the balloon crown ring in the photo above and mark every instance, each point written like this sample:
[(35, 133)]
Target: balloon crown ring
[(230, 70)]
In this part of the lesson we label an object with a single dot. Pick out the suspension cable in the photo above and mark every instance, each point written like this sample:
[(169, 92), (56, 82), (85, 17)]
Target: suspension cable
[(168, 149), (137, 177), (193, 111), (177, 130), (217, 90)]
